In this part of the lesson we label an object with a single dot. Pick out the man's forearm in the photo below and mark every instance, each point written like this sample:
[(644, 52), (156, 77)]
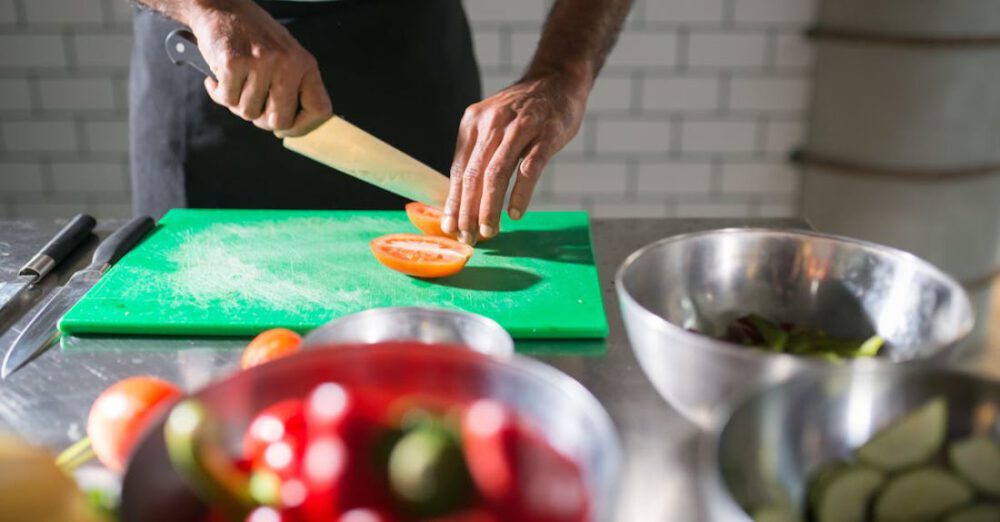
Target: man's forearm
[(183, 10), (577, 37)]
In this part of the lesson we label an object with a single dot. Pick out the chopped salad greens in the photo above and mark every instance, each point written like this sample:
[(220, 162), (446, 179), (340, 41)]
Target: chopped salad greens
[(755, 331)]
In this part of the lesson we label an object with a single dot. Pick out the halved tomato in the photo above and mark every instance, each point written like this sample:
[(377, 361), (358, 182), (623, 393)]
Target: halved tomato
[(426, 218), (421, 256)]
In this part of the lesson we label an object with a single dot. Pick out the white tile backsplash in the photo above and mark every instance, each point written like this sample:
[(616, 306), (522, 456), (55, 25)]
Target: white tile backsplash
[(693, 115)]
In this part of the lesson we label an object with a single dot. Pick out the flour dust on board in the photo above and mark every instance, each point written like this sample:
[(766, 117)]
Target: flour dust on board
[(225, 265)]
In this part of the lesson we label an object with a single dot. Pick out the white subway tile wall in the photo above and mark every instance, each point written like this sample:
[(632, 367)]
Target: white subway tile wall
[(694, 114)]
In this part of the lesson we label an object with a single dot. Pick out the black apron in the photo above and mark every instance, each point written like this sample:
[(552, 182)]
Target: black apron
[(401, 69)]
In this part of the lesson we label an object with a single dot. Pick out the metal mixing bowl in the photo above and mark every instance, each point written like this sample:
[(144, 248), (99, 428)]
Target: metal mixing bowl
[(767, 450), (561, 409), (420, 324), (849, 288)]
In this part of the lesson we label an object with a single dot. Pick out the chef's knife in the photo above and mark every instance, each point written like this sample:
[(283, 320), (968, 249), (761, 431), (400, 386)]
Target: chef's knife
[(57, 249), (43, 329), (339, 144)]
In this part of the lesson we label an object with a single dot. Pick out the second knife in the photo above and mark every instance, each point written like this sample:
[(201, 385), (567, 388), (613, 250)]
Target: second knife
[(54, 252), (43, 329)]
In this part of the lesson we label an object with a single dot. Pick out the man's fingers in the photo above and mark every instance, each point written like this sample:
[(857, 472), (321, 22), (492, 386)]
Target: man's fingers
[(315, 106), (527, 177), (212, 88), (254, 95), (472, 186), (463, 149), (261, 122), (231, 77), (497, 178), (282, 102)]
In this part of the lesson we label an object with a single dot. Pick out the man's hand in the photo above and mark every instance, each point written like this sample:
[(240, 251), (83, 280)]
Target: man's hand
[(264, 75), (519, 128), (523, 126)]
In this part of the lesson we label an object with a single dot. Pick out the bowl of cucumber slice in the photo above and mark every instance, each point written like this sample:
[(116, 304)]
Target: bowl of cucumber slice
[(860, 444)]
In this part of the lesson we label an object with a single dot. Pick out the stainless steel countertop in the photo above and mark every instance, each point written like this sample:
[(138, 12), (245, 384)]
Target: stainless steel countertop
[(47, 401)]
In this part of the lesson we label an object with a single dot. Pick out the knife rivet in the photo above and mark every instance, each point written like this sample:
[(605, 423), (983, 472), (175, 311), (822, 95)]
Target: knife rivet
[(180, 47)]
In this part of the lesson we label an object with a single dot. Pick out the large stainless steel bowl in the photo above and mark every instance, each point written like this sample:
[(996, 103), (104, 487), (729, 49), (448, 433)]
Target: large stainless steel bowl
[(846, 287), (571, 419), (766, 451), (416, 323)]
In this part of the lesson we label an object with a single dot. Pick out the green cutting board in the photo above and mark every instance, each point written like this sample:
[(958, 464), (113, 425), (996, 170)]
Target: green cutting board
[(238, 272)]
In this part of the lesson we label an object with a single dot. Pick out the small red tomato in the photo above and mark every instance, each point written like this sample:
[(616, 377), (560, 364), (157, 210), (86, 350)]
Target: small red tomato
[(549, 486), (490, 437), (270, 345), (121, 414), (276, 437), (356, 418), (316, 492), (325, 465), (517, 471), (330, 408)]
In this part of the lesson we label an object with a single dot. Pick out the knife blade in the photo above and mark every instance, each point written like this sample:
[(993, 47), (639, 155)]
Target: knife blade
[(53, 253), (341, 145), (43, 330)]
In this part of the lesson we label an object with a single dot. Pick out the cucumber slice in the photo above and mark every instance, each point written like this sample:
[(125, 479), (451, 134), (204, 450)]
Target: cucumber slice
[(820, 478), (846, 494), (775, 513), (909, 441), (870, 347), (193, 445), (427, 471), (977, 460), (921, 494), (975, 513)]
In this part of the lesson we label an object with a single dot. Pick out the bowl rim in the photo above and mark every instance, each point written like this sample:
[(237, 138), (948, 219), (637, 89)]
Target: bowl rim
[(310, 340), (727, 348), (712, 482)]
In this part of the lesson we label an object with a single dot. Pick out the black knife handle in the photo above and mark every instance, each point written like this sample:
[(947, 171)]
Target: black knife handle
[(59, 246), (121, 241), (182, 48)]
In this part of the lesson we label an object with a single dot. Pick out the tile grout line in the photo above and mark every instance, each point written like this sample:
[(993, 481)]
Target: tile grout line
[(676, 146), (771, 51), (35, 94), (107, 13), (761, 136), (69, 48), (20, 15), (683, 50), (636, 103)]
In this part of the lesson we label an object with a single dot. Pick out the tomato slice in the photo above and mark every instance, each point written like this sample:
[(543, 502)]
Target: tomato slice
[(121, 414), (421, 256), (270, 345), (426, 218)]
